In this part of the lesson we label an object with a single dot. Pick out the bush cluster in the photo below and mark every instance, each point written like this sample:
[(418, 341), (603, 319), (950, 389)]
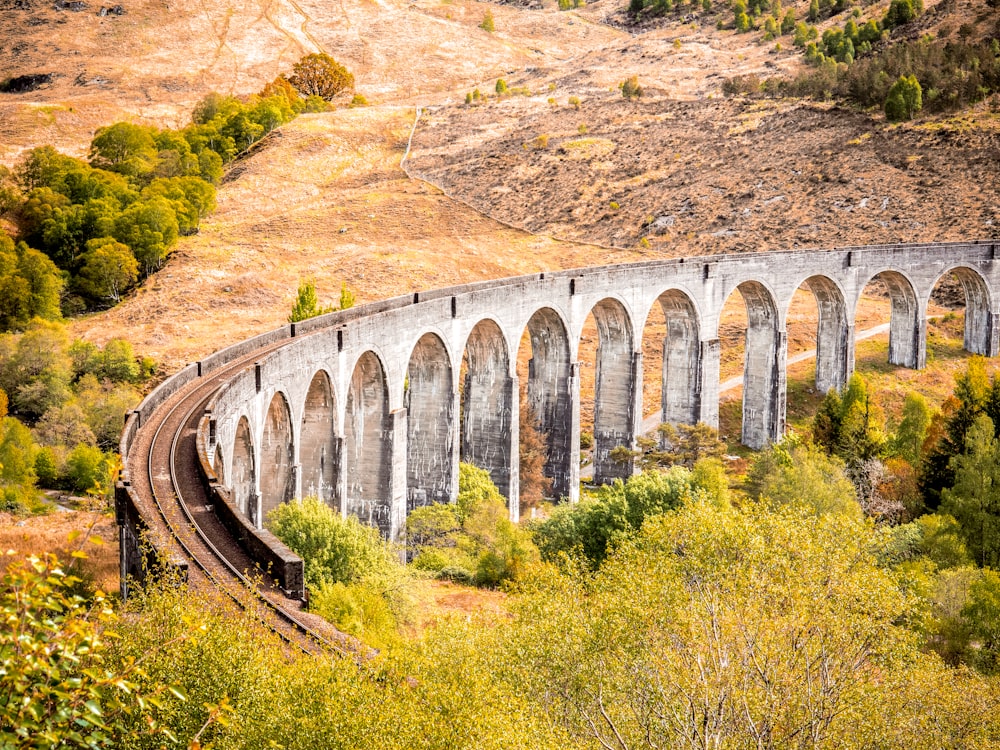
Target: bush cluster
[(472, 541), (73, 395)]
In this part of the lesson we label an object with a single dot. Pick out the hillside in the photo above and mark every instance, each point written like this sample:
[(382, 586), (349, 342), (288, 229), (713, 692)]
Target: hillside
[(329, 196)]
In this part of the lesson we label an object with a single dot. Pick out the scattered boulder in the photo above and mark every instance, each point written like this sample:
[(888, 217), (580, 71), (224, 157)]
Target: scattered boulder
[(29, 82), (114, 10), (74, 5)]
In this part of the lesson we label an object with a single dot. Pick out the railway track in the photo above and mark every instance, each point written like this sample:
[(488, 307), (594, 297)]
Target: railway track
[(166, 481)]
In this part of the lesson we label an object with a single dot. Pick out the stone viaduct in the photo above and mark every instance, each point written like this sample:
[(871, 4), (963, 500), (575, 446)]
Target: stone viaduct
[(372, 408)]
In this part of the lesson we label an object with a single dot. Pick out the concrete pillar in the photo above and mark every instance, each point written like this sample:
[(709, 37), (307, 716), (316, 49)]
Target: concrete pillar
[(992, 335), (456, 439), (849, 353), (573, 442), (512, 451), (395, 437), (707, 383), (920, 344), (780, 390)]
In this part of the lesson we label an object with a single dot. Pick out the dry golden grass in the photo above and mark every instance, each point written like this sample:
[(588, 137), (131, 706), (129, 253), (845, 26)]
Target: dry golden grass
[(437, 600), (97, 537)]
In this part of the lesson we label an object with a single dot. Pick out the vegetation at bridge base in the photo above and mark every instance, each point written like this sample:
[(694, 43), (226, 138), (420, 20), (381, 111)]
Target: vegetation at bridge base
[(472, 541), (742, 615)]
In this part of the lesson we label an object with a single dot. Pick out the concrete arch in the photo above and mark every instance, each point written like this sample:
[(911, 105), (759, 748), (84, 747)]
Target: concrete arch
[(244, 473), (615, 389), (319, 445), (763, 370), (834, 336), (368, 445), (681, 382), (489, 408), (979, 328), (277, 451), (550, 394), (430, 412), (907, 347)]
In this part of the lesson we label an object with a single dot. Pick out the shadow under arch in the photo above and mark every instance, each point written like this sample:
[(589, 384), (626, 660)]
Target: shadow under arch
[(763, 370), (833, 334), (430, 407), (681, 387), (277, 479), (319, 445), (615, 387), (550, 395), (905, 330), (244, 472), (979, 334), (489, 402), (367, 445)]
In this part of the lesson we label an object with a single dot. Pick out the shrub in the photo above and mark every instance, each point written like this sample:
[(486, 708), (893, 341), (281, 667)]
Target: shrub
[(501, 87), (630, 88), (487, 22), (335, 549), (574, 102), (58, 690), (472, 540), (904, 100), (320, 75)]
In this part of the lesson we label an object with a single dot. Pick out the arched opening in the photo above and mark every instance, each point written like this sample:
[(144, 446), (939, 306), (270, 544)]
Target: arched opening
[(429, 401), (964, 287), (612, 416), (244, 480), (679, 375), (367, 449), (319, 446), (819, 299), (548, 394), (488, 406), (277, 479), (763, 412), (905, 330)]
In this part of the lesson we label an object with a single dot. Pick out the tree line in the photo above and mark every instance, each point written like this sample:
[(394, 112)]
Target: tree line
[(88, 230)]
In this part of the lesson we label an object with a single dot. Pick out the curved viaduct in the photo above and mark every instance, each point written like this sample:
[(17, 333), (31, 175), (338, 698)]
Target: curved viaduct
[(372, 408)]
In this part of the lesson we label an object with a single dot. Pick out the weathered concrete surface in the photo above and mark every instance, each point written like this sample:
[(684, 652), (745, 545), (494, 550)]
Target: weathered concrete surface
[(384, 427)]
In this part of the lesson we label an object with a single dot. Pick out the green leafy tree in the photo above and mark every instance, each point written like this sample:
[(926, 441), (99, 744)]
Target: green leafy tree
[(89, 470), (35, 368), (982, 613), (912, 431), (125, 148), (307, 304), (320, 75), (109, 270), (793, 473), (150, 229), (974, 499), (473, 540), (905, 99), (788, 22)]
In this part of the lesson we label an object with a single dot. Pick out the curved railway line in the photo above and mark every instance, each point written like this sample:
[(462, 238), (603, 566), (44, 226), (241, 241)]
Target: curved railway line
[(169, 485)]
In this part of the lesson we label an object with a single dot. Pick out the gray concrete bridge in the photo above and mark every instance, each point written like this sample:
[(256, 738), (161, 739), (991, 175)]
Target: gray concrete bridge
[(365, 407)]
